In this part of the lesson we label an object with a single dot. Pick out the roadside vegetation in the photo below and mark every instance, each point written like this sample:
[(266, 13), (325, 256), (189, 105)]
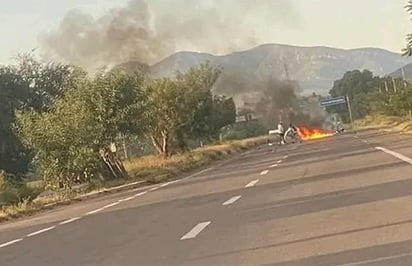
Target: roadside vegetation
[(391, 123), (24, 199), (375, 101), (64, 132)]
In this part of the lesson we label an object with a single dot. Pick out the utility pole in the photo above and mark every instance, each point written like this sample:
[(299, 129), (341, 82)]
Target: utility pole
[(123, 137), (403, 77), (394, 86), (285, 67), (350, 110)]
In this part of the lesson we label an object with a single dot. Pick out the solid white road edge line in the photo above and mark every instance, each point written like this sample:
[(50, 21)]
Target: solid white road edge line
[(264, 172), (231, 200), (252, 183), (395, 154), (141, 193), (165, 184), (70, 220), (41, 231), (10, 242), (195, 231), (199, 173)]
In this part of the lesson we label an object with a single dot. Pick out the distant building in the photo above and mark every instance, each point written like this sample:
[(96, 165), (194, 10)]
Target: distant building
[(243, 115)]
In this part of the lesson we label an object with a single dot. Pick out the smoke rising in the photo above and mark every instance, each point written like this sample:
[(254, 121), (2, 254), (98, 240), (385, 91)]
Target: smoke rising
[(148, 31), (280, 101)]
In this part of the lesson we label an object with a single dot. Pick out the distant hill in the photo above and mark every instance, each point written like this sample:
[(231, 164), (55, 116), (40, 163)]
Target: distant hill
[(407, 70), (315, 68)]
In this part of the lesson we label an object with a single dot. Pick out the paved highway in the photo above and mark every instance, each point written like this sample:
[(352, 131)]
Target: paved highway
[(345, 200)]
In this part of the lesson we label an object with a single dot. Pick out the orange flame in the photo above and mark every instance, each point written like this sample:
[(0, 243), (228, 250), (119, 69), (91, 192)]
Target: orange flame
[(308, 134)]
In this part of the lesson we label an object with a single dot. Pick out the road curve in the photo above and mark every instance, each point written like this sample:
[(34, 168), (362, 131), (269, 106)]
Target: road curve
[(343, 200)]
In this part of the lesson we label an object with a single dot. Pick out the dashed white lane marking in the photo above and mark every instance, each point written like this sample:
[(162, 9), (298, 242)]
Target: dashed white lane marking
[(264, 172), (274, 165), (95, 211), (232, 200), (395, 154), (70, 220), (111, 205), (103, 208), (41, 231), (195, 230), (141, 193), (127, 199), (286, 156), (280, 161), (10, 242), (252, 183)]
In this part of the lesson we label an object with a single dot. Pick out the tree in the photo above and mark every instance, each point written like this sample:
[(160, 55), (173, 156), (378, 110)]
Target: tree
[(13, 96), (44, 81), (71, 140), (198, 83), (28, 85), (168, 110), (224, 112), (408, 49), (180, 107), (356, 85)]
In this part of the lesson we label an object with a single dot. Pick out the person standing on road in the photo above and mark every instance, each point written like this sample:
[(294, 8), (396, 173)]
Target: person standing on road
[(292, 131), (281, 132)]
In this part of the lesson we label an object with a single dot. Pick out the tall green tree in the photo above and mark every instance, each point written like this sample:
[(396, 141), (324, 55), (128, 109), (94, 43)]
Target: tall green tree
[(181, 107), (27, 85), (408, 49), (71, 140), (356, 85)]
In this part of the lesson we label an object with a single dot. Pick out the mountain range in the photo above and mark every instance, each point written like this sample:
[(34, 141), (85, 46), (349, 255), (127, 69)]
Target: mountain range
[(247, 72), (403, 72)]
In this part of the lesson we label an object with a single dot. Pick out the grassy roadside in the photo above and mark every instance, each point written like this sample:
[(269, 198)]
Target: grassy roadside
[(403, 124), (150, 170)]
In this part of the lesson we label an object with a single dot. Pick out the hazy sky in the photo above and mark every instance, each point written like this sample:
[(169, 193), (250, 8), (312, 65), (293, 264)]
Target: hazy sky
[(336, 23)]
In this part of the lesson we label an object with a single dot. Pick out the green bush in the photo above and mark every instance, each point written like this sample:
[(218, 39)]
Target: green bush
[(243, 130), (18, 192)]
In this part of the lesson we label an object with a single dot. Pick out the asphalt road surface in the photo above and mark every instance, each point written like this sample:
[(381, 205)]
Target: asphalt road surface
[(345, 200)]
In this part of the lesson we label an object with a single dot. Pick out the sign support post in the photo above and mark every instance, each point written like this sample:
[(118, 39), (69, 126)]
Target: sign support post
[(350, 110), (337, 101)]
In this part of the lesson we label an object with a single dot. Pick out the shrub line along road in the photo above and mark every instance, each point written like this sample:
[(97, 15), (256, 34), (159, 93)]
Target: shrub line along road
[(343, 200)]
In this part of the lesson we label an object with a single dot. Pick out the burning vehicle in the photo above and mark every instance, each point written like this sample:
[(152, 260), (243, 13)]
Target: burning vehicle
[(313, 133)]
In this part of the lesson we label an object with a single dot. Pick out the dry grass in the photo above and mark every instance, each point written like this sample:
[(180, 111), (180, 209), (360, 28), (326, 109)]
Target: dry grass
[(395, 123), (18, 210), (149, 168), (155, 169)]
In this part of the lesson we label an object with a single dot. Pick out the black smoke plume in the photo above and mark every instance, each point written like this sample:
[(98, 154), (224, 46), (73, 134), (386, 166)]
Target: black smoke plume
[(148, 31)]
